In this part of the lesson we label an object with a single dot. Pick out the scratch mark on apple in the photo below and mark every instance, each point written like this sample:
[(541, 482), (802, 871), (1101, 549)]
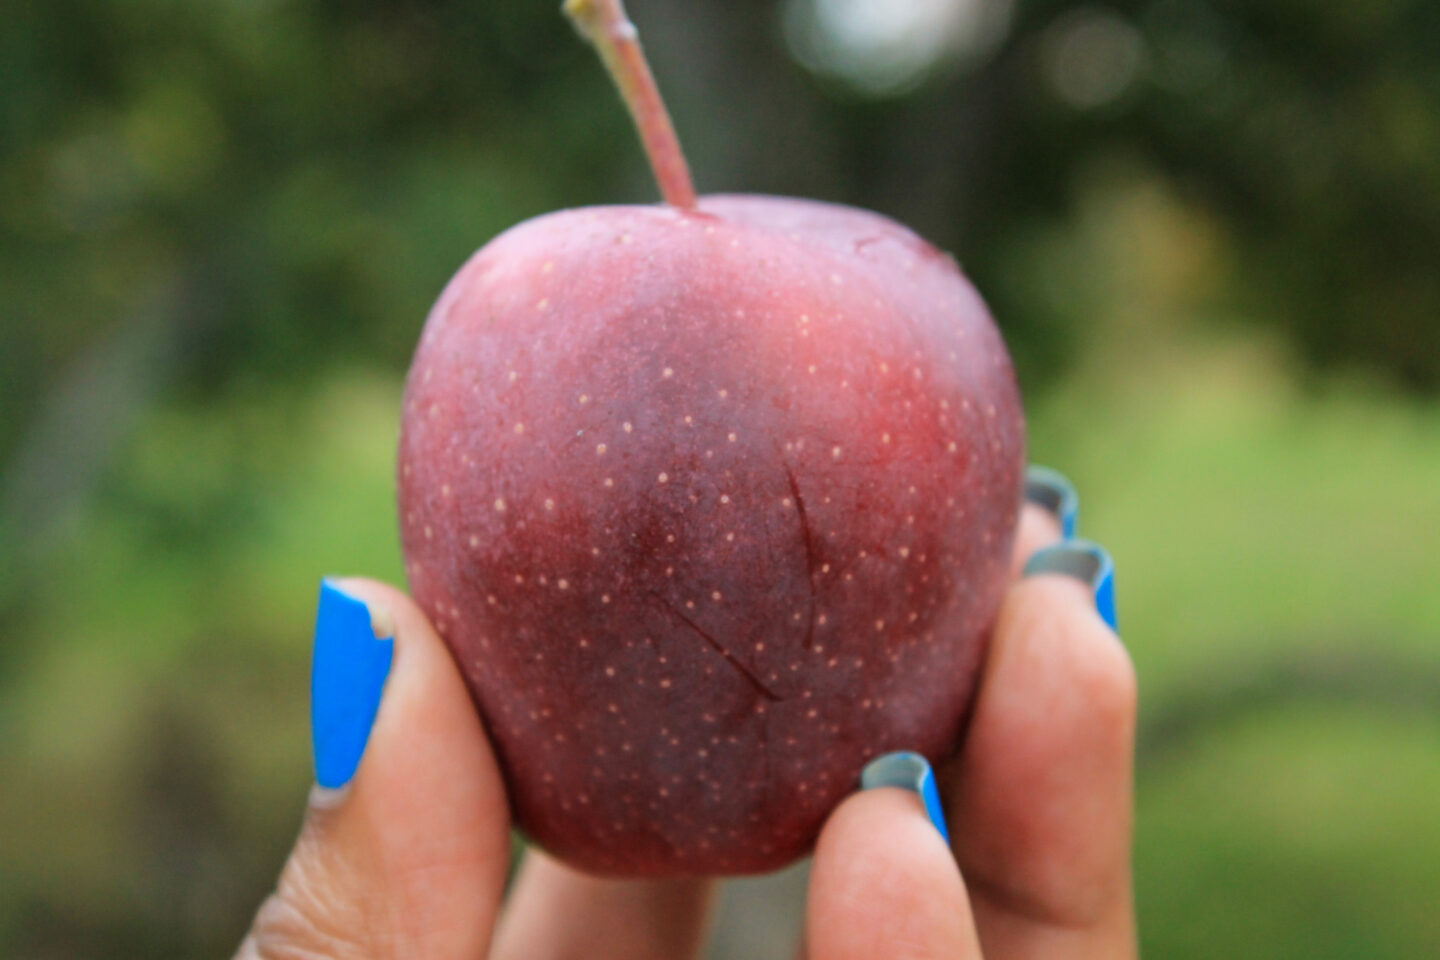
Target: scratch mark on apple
[(719, 648), (808, 539)]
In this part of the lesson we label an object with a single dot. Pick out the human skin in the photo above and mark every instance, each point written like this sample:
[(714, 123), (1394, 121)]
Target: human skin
[(411, 858)]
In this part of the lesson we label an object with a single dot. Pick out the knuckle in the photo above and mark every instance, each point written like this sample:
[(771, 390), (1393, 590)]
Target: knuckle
[(300, 921)]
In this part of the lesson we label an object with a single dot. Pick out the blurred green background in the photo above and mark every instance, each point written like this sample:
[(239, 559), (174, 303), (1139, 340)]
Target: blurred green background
[(1209, 230)]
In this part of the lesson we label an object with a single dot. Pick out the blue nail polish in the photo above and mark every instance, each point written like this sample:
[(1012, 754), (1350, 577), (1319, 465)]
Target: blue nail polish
[(1050, 490), (347, 675), (1085, 561), (912, 772)]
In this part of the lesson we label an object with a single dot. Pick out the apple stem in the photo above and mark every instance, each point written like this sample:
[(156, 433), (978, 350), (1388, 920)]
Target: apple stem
[(609, 30)]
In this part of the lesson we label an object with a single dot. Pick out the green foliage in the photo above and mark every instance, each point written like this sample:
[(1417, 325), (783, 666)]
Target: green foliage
[(222, 223)]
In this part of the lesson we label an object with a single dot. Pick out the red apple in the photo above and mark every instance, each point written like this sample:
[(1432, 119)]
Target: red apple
[(713, 504)]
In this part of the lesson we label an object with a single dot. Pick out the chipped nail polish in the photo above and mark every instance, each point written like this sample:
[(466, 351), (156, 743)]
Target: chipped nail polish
[(347, 676)]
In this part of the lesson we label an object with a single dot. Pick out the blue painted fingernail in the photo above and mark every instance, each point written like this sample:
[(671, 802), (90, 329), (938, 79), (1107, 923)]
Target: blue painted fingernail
[(909, 771), (1050, 490), (347, 676), (1085, 561)]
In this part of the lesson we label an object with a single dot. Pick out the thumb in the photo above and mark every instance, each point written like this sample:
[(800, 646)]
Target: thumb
[(405, 845)]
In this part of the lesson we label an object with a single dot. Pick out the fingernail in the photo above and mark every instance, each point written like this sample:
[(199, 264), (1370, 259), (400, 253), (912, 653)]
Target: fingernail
[(1050, 490), (1085, 561), (908, 771), (347, 676)]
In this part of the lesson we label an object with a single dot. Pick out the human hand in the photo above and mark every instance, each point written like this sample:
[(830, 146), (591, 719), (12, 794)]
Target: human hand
[(406, 855), (1038, 801)]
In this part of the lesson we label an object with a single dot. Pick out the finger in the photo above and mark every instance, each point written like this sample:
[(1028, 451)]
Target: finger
[(556, 912), (405, 844), (884, 884), (1050, 513), (1038, 529), (1053, 492), (1041, 792)]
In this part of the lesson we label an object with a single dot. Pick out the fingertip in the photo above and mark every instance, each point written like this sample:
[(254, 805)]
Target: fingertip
[(351, 659), (392, 611), (409, 808), (428, 744), (1053, 492), (884, 883), (1084, 561), (909, 771), (1037, 529)]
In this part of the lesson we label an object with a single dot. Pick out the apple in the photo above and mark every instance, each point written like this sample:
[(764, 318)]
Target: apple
[(713, 503)]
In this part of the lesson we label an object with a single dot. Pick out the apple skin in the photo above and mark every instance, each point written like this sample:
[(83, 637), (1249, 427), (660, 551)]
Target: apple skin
[(712, 507)]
